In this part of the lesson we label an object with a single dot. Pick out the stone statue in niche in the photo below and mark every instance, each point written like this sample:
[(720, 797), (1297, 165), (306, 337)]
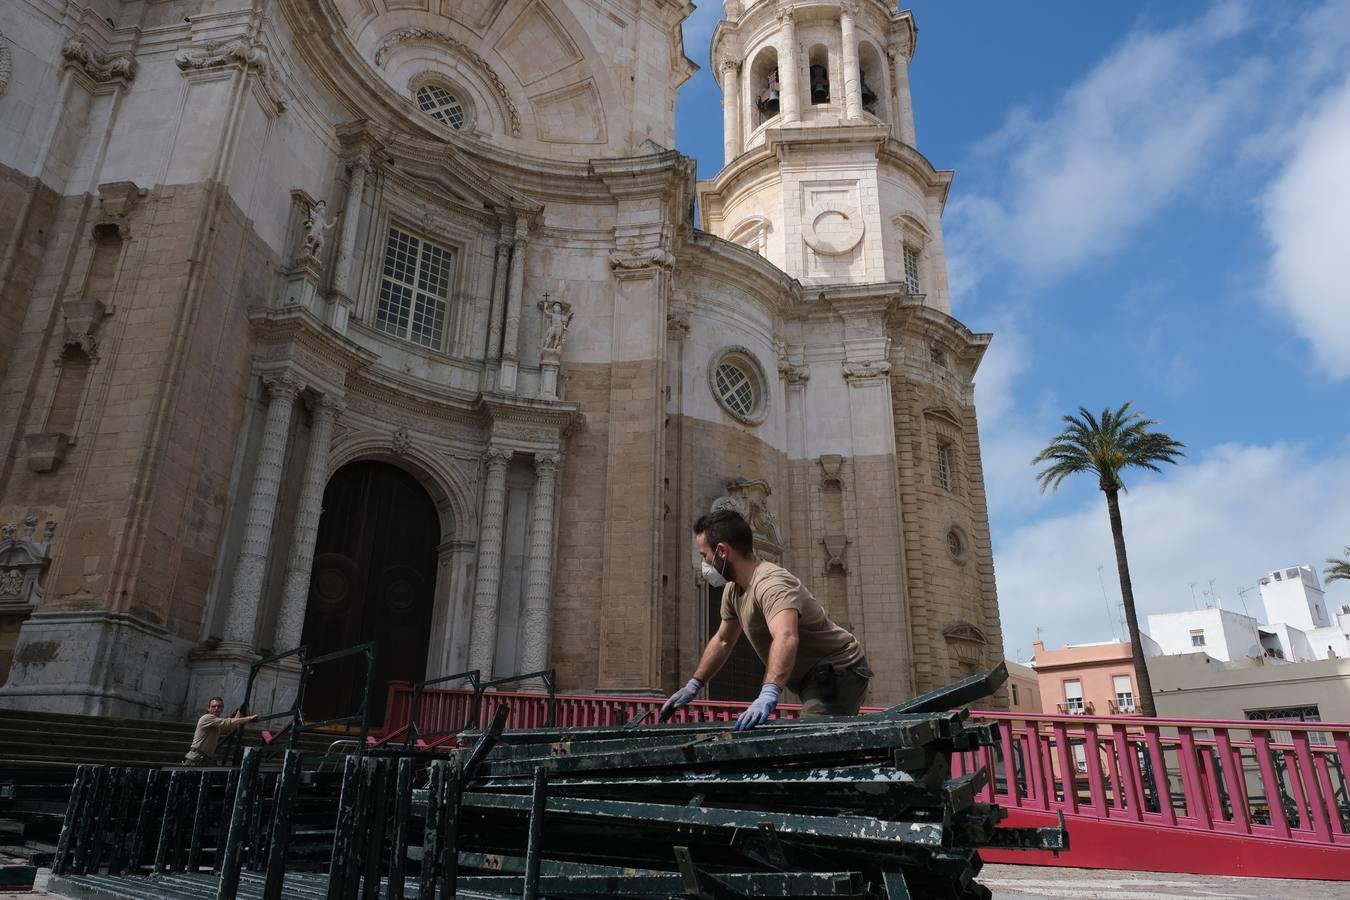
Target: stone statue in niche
[(315, 226), (557, 319)]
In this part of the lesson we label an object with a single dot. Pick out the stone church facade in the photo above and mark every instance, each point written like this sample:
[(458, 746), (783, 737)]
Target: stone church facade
[(388, 321)]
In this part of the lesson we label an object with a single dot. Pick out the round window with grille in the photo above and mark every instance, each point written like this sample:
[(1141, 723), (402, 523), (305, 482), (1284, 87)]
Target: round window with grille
[(437, 101), (738, 384)]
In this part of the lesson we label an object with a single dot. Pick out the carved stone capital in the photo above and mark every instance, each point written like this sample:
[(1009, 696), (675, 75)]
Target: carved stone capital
[(97, 64), (860, 371), (497, 456), (677, 323), (848, 8), (284, 386), (786, 16), (236, 51), (794, 375), (731, 66), (329, 406), (546, 464)]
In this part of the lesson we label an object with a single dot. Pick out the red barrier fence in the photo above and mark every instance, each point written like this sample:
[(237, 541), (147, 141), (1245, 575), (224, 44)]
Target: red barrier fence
[(1168, 795)]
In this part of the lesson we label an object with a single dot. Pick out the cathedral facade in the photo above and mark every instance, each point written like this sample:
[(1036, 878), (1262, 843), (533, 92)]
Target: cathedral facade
[(388, 322)]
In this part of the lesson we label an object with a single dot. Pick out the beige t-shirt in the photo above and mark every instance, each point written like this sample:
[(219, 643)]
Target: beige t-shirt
[(209, 730), (773, 589)]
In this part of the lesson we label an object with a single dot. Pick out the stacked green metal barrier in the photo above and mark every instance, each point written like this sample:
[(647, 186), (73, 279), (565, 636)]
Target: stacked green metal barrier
[(859, 807)]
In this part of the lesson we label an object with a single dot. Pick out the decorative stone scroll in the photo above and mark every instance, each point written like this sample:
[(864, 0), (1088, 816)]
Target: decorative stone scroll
[(395, 38), (97, 64), (857, 372), (645, 258), (237, 51), (23, 561)]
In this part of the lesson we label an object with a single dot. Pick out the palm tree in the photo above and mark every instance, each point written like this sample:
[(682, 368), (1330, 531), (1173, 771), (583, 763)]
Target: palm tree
[(1338, 569), (1107, 446)]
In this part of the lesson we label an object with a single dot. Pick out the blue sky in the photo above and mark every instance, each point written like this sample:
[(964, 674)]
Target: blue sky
[(1152, 203)]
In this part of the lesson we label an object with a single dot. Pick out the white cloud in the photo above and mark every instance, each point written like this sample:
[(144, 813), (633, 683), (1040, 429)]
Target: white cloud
[(1307, 218), (1115, 149), (1231, 515)]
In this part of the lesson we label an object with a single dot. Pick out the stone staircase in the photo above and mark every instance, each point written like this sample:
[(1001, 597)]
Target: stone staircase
[(39, 753)]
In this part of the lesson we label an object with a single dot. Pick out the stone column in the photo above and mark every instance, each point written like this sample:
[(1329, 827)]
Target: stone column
[(295, 593), (539, 566), (514, 300), (250, 569), (852, 78), (904, 107), (487, 591), (790, 97), (351, 219), (499, 278), (731, 111)]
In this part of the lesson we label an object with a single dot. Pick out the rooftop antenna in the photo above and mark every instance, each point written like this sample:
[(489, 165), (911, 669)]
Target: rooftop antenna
[(1195, 604), (1213, 596), (1109, 618), (1242, 595)]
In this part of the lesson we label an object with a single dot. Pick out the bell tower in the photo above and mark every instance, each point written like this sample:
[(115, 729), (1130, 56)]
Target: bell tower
[(821, 174)]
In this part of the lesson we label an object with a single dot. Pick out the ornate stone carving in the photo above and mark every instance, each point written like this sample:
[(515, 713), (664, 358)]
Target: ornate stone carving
[(402, 442), (831, 467), (23, 561), (835, 547), (795, 375), (97, 64), (677, 323), (313, 229), (6, 62), (731, 66), (236, 51), (872, 368), (750, 498), (439, 37), (644, 258), (557, 319)]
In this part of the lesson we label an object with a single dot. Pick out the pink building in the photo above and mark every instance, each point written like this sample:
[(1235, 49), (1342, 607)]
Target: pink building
[(1086, 679)]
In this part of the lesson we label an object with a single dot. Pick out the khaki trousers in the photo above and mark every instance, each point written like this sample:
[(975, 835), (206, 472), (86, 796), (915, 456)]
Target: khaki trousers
[(827, 692)]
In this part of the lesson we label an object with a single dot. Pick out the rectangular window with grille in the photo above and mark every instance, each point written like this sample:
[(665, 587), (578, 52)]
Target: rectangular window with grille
[(944, 467), (1124, 693), (912, 270), (1197, 637), (1073, 697), (414, 289)]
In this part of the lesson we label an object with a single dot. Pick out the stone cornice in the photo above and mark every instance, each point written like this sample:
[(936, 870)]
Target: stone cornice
[(301, 330), (758, 15), (718, 258), (910, 315), (100, 66), (554, 416)]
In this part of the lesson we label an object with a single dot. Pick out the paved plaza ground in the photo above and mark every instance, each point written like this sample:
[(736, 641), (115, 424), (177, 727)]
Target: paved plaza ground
[(1045, 883)]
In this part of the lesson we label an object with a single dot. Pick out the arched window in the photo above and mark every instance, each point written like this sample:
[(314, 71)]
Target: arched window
[(764, 86), (819, 61), (439, 102), (872, 74)]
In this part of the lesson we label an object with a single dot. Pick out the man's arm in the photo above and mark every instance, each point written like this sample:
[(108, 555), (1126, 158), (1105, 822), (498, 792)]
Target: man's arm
[(718, 650), (783, 650)]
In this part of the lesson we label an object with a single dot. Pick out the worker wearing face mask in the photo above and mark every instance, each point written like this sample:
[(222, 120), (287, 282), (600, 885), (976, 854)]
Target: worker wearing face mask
[(801, 647)]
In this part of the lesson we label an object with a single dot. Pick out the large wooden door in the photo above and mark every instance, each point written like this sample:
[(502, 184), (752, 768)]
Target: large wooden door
[(374, 579)]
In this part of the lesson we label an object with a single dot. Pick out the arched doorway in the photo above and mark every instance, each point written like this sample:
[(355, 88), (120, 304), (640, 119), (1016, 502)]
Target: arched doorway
[(374, 579)]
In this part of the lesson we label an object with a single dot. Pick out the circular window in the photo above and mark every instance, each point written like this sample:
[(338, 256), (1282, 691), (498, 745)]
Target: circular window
[(956, 544), (437, 101), (738, 384)]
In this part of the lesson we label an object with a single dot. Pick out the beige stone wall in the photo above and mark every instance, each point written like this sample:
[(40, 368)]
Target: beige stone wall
[(139, 498)]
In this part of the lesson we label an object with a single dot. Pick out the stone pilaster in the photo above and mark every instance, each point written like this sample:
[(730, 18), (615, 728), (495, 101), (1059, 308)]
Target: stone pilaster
[(351, 220), (539, 566), (731, 111), (852, 79), (903, 107), (790, 95), (251, 567), (295, 593), (515, 293), (500, 276), (487, 591)]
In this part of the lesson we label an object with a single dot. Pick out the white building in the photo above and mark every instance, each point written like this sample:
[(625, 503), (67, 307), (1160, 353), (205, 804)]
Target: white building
[(1298, 627)]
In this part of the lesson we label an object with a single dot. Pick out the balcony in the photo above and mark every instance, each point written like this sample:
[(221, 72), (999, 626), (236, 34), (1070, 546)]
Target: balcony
[(1076, 708)]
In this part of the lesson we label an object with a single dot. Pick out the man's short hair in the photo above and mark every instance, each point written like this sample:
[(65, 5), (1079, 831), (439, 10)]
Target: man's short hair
[(214, 699), (726, 526)]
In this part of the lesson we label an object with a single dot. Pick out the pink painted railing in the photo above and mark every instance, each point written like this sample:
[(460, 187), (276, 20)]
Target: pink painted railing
[(1170, 795)]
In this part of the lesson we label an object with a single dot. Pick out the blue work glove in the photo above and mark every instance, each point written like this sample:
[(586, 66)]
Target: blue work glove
[(679, 698), (760, 710)]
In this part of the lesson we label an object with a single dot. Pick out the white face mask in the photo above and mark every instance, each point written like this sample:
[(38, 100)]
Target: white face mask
[(712, 576)]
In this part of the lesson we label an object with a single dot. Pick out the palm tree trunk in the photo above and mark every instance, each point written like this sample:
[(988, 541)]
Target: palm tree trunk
[(1144, 702)]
